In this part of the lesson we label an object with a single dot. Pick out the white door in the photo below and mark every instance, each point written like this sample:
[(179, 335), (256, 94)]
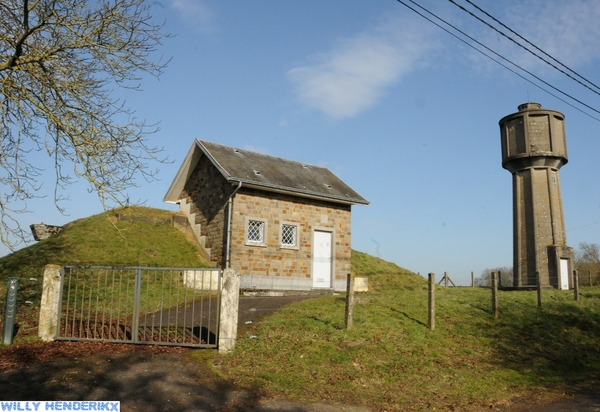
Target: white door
[(564, 274), (321, 267)]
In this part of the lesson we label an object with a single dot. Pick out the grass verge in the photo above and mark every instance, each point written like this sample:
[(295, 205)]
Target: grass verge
[(390, 360)]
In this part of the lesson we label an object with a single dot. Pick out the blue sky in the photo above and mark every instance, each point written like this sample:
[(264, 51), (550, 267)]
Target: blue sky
[(400, 110)]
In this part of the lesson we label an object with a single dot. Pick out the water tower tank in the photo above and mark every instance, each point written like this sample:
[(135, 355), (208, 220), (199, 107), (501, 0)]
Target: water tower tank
[(534, 149)]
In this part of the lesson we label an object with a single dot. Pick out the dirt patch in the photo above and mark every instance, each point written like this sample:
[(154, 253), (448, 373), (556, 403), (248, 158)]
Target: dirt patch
[(142, 378), (19, 356)]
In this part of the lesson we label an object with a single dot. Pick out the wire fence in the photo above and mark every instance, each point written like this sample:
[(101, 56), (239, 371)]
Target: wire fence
[(166, 306)]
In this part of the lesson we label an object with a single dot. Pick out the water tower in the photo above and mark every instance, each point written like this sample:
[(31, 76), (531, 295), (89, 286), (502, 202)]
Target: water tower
[(534, 148)]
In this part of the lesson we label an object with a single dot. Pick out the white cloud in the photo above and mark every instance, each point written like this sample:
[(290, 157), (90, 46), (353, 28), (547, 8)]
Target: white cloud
[(568, 31), (195, 11), (356, 74)]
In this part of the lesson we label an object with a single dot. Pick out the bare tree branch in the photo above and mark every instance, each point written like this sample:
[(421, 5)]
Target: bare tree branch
[(587, 257), (485, 279), (58, 63)]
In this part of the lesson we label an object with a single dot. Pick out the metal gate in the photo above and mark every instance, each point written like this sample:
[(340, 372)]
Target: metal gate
[(161, 306)]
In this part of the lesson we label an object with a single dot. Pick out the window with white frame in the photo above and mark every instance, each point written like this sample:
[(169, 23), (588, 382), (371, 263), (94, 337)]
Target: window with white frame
[(256, 231), (289, 235)]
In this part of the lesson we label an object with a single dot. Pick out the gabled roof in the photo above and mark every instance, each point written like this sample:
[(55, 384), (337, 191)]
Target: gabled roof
[(269, 173)]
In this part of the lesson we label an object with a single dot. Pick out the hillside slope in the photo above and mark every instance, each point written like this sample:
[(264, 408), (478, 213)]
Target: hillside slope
[(139, 236), (133, 236), (142, 236), (383, 274)]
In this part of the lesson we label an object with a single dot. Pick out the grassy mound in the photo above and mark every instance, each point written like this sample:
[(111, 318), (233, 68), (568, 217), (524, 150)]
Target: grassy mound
[(384, 275), (133, 236)]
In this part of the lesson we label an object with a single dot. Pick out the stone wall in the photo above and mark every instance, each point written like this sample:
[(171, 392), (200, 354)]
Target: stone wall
[(273, 260), (208, 191)]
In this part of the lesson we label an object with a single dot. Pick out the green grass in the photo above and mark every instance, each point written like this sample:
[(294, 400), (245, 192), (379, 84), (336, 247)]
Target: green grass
[(384, 275), (134, 236), (390, 360)]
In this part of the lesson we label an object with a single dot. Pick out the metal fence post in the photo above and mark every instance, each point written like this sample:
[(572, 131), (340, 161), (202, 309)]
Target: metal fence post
[(135, 320), (10, 311)]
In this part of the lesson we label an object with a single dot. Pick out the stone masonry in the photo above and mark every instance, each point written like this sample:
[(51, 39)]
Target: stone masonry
[(272, 259), (208, 192), (534, 148)]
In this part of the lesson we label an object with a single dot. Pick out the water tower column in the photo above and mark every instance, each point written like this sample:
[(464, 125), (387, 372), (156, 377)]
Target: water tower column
[(533, 150)]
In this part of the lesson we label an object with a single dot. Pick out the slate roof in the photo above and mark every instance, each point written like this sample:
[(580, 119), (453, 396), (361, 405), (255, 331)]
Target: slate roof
[(260, 171)]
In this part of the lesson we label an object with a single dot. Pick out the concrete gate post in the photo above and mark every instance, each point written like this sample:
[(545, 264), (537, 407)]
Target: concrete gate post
[(49, 306), (230, 302)]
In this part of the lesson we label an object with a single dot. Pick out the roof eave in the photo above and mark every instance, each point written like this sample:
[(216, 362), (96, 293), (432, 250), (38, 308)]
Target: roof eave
[(198, 149), (301, 193), (184, 172)]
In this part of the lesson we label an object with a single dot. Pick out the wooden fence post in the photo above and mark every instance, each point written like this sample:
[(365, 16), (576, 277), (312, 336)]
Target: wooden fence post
[(446, 279), (472, 280), (590, 276), (539, 288), (431, 303), (576, 284), (495, 294), (349, 300)]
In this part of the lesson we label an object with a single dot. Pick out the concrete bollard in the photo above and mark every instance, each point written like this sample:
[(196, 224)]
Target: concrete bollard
[(230, 303), (361, 284), (49, 306)]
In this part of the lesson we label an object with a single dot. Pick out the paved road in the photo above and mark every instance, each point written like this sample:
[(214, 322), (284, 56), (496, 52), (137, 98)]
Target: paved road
[(200, 319), (584, 402), (253, 308)]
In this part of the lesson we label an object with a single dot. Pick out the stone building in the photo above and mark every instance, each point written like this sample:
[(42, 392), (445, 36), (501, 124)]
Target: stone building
[(282, 224), (534, 148)]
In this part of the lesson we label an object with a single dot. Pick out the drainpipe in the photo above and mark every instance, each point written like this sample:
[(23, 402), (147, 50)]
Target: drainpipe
[(228, 242)]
